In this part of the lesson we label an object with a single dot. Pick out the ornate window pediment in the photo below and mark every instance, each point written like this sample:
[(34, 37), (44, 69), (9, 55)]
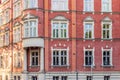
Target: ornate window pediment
[(29, 16)]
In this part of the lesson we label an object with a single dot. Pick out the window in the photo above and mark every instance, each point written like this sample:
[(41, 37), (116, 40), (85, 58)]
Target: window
[(106, 30), (34, 77), (17, 34), (88, 57), (7, 16), (106, 5), (34, 58), (88, 5), (7, 38), (30, 28), (1, 40), (1, 61), (55, 77), (106, 77), (1, 19), (89, 78), (17, 60), (17, 9), (17, 78), (59, 5), (88, 30), (63, 77), (60, 57), (107, 57), (30, 4), (59, 29)]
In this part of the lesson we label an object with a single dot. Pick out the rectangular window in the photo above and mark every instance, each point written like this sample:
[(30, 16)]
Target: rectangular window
[(106, 32), (55, 77), (6, 38), (30, 28), (89, 58), (1, 40), (59, 57), (88, 5), (34, 58), (17, 34), (106, 5), (17, 78), (17, 9), (7, 16), (30, 4), (88, 30), (107, 56), (59, 29), (34, 78), (89, 78), (106, 77), (59, 5), (63, 77), (1, 61)]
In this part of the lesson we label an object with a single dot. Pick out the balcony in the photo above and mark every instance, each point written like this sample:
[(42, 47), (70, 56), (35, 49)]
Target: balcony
[(33, 42)]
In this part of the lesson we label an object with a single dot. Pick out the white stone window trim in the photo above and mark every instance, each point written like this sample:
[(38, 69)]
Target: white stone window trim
[(89, 22), (59, 34), (6, 38), (1, 39), (31, 58), (111, 51), (28, 20), (54, 49), (58, 4), (16, 38), (27, 2), (110, 23), (110, 6), (93, 51), (92, 2), (17, 9)]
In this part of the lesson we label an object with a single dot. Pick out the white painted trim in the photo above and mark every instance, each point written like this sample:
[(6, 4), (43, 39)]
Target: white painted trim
[(105, 22), (110, 6), (90, 22), (92, 2), (93, 50), (111, 51)]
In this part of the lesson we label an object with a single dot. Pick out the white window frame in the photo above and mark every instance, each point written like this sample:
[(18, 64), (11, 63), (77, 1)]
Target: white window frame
[(110, 50), (89, 22), (93, 50), (67, 56), (29, 33), (1, 61), (92, 7), (31, 51), (17, 60), (59, 29), (1, 39), (6, 38), (57, 5), (17, 9), (110, 29), (17, 34), (29, 4), (110, 6), (17, 77)]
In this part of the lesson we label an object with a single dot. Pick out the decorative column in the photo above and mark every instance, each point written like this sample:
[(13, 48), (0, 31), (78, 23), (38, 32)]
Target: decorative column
[(42, 60)]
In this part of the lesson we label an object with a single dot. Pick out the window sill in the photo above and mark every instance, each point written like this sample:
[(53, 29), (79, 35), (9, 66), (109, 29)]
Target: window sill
[(34, 66), (89, 66), (59, 65), (107, 66), (107, 39)]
